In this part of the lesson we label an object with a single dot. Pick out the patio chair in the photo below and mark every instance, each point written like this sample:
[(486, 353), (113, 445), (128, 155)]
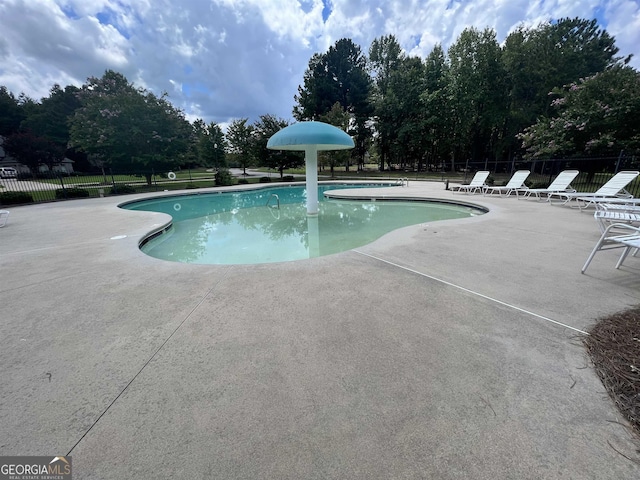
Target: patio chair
[(514, 185), (477, 183), (4, 217), (607, 213), (561, 184), (608, 240), (614, 188)]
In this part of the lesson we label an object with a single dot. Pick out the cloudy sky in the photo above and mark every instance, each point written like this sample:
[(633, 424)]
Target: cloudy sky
[(225, 59)]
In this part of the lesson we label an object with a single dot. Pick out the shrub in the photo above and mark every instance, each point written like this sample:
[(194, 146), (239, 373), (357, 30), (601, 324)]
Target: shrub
[(288, 178), (15, 198), (535, 184), (123, 189), (243, 181), (265, 180), (224, 177), (63, 193), (191, 186)]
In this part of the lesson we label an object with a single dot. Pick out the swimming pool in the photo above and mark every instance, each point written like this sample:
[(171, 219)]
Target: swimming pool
[(240, 228)]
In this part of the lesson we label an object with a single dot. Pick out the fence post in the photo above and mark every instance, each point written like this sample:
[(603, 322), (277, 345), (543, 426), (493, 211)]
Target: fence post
[(64, 190), (113, 182), (618, 162)]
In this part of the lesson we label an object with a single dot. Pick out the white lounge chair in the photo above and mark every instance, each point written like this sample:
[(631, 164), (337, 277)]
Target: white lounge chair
[(608, 213), (561, 184), (514, 185), (614, 188), (4, 216), (629, 240), (477, 183)]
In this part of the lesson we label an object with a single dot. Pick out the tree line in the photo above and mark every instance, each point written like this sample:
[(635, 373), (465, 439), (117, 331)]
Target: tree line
[(111, 123), (554, 90)]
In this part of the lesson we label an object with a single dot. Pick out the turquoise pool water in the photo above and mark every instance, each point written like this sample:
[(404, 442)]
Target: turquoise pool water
[(239, 228)]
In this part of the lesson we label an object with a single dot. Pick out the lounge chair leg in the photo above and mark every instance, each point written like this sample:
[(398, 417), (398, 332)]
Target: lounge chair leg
[(623, 256), (599, 244), (593, 253)]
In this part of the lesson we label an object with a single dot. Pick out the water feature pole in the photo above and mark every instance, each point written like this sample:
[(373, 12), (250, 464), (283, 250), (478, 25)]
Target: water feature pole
[(311, 137), (311, 171)]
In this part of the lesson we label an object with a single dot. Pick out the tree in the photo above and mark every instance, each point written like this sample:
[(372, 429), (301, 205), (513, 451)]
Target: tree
[(50, 118), (595, 115), (264, 128), (438, 126), (385, 57), (337, 117), (11, 113), (33, 150), (549, 56), (211, 147), (407, 84), (339, 75), (129, 128), (240, 140), (477, 94)]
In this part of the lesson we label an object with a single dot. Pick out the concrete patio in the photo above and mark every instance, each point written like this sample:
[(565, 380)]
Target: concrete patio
[(442, 350)]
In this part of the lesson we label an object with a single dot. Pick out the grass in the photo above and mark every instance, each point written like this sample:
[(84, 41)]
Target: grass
[(201, 178), (183, 181)]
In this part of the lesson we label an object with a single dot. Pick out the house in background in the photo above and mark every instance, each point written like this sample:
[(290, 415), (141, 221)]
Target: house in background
[(65, 166)]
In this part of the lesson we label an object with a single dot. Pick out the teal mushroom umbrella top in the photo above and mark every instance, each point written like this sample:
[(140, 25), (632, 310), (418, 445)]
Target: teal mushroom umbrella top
[(310, 137), (303, 135)]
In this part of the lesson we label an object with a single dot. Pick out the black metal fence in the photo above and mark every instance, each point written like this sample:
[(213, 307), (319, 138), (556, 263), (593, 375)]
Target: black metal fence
[(52, 186), (594, 171), (24, 189)]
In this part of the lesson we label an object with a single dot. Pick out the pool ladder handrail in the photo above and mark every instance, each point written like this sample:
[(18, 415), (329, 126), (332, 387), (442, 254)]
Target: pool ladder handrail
[(402, 182), (277, 200)]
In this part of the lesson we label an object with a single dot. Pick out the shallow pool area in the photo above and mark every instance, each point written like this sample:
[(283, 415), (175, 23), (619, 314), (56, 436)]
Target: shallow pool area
[(271, 225)]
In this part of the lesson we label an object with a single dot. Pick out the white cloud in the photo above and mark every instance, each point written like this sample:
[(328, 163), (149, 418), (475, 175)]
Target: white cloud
[(623, 22), (221, 59)]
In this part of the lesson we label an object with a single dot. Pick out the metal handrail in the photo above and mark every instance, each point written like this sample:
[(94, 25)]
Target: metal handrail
[(277, 199)]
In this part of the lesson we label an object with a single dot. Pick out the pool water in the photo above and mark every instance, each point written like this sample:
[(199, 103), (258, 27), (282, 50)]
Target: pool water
[(239, 228)]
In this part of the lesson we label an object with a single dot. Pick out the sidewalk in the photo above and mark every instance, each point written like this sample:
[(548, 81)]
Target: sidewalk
[(442, 350)]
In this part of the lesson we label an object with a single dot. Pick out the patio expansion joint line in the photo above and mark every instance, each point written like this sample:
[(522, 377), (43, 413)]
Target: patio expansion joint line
[(126, 387), (478, 294)]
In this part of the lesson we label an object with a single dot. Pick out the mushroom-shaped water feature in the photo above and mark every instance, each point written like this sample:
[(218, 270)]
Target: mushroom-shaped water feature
[(311, 137)]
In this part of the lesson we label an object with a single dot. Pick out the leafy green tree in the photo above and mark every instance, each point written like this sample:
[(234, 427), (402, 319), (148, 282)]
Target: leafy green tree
[(339, 75), (129, 128), (11, 113), (337, 117), (407, 85), (596, 115), (50, 117), (211, 147), (264, 128), (191, 158), (240, 139), (437, 117), (385, 58), (477, 94), (551, 55), (33, 150)]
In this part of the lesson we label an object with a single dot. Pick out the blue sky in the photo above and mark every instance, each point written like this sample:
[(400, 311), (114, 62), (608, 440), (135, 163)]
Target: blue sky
[(225, 59)]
